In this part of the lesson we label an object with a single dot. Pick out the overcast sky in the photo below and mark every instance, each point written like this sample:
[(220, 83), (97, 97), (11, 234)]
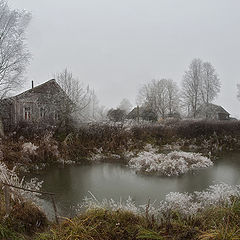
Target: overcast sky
[(115, 46)]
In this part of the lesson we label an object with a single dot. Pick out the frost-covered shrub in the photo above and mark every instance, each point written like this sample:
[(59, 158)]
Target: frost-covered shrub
[(129, 154), (10, 177), (174, 163), (93, 203), (45, 150), (180, 202), (190, 204), (186, 204), (29, 148), (217, 194)]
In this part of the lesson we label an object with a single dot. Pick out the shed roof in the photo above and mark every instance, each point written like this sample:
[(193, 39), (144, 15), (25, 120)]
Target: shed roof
[(210, 107)]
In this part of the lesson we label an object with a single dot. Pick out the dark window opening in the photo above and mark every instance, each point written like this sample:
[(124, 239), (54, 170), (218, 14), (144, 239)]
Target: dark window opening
[(27, 113), (42, 112)]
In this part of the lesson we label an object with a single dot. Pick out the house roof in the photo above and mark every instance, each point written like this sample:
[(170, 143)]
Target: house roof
[(133, 113), (49, 86), (210, 107)]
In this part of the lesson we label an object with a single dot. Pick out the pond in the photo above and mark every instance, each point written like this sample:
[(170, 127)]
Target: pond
[(113, 180)]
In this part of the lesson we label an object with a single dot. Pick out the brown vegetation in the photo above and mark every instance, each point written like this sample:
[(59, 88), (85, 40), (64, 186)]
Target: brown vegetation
[(23, 221), (79, 144)]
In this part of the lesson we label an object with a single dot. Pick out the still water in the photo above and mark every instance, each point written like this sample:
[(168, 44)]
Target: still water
[(111, 180)]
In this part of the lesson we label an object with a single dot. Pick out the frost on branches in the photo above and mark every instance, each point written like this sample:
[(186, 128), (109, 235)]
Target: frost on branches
[(109, 204), (185, 204), (189, 204), (171, 164), (10, 177), (29, 148)]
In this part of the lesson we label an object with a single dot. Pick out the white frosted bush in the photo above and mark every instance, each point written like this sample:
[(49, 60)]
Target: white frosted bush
[(93, 203), (29, 148), (173, 163), (217, 194), (180, 202), (129, 154), (185, 204), (190, 204)]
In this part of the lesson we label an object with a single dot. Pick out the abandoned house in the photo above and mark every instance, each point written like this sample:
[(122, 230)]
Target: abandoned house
[(213, 112), (142, 113), (45, 104)]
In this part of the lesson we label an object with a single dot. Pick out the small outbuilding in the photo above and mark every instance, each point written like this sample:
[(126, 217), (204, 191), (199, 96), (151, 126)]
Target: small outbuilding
[(213, 111)]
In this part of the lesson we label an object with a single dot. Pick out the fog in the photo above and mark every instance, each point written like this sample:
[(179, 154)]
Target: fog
[(116, 46)]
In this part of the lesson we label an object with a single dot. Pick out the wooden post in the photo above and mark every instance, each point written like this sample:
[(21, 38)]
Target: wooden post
[(55, 209), (7, 199)]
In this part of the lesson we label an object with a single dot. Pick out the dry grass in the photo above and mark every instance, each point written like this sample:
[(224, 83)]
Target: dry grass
[(25, 217), (24, 220), (212, 224), (99, 224)]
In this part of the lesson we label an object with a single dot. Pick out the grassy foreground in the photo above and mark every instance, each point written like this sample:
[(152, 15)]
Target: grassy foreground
[(23, 222), (216, 223), (27, 222)]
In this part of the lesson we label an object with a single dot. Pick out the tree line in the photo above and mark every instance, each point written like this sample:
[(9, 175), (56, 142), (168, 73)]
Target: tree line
[(162, 98)]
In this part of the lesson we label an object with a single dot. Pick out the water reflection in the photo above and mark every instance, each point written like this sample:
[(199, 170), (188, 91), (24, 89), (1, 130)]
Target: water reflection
[(105, 180)]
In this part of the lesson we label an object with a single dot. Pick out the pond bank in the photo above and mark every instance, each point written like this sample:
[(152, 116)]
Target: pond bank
[(181, 218), (116, 141)]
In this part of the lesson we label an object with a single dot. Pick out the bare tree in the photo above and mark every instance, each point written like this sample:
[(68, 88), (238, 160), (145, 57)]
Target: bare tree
[(161, 96), (172, 97), (125, 105), (191, 87), (200, 86), (210, 83), (93, 111), (14, 55), (102, 113), (77, 97), (153, 96)]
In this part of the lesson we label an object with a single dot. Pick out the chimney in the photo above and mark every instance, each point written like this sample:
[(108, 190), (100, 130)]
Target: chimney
[(32, 84)]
